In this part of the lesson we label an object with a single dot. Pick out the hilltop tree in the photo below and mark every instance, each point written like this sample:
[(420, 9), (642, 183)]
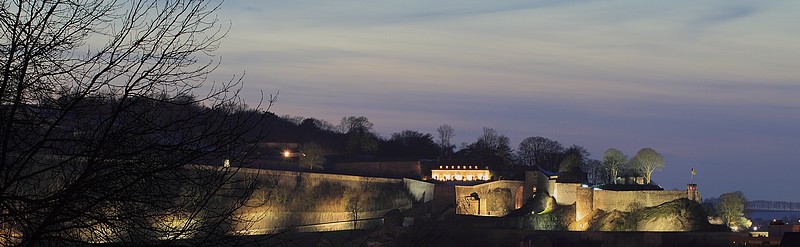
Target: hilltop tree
[(446, 133), (580, 152), (360, 139), (353, 124), (490, 148), (540, 151), (595, 171), (571, 164), (410, 144), (613, 160), (647, 161), (102, 128)]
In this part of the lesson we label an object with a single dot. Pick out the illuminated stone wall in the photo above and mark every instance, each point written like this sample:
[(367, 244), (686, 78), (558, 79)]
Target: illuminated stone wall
[(609, 200), (422, 191), (497, 198), (266, 221), (328, 211), (565, 193), (588, 199), (584, 202)]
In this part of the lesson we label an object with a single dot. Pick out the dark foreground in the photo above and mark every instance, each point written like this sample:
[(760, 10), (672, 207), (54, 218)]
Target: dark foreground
[(486, 237)]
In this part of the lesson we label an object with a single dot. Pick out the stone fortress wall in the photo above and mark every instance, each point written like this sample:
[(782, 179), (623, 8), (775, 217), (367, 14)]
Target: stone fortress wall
[(589, 199), (496, 198), (422, 191), (275, 218), (566, 193)]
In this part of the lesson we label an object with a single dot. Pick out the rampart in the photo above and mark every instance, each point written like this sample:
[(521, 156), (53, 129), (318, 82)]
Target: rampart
[(495, 198), (422, 191), (321, 201), (565, 193), (589, 199)]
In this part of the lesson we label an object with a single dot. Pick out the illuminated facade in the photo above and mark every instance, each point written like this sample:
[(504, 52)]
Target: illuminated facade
[(461, 173)]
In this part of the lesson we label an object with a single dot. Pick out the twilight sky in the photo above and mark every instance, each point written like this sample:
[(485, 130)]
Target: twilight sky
[(712, 85)]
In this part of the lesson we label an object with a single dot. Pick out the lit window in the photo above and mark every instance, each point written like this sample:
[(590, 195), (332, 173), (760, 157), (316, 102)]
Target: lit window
[(459, 177), (469, 177), (447, 177)]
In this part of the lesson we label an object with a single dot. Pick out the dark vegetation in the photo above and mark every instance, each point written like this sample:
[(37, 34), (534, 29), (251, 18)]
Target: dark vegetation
[(107, 130), (353, 139)]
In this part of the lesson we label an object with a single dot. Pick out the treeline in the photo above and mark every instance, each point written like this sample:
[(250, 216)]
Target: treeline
[(354, 138)]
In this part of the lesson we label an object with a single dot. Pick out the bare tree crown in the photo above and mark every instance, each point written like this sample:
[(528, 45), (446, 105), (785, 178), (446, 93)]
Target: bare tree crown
[(108, 122)]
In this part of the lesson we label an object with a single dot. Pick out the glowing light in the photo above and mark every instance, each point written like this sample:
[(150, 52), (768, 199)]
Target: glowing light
[(286, 154)]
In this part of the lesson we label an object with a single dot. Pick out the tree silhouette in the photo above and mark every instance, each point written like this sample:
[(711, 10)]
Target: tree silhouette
[(490, 149), (613, 161), (360, 139), (409, 144), (540, 151), (103, 136), (446, 133)]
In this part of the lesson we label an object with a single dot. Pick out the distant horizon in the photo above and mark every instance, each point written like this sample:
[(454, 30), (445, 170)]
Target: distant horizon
[(711, 86)]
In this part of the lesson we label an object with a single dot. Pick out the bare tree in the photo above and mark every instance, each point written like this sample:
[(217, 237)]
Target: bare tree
[(613, 160), (647, 161), (103, 137), (354, 207), (313, 156), (446, 133), (490, 148), (353, 124)]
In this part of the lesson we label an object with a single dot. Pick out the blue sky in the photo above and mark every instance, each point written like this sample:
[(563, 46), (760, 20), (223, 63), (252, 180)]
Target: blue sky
[(711, 85)]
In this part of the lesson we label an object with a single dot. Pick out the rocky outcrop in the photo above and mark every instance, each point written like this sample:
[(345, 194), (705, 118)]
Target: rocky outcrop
[(675, 216)]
